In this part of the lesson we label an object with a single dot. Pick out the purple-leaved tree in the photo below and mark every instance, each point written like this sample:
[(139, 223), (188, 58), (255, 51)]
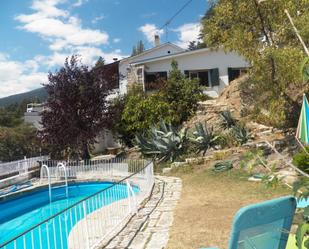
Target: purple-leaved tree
[(76, 110)]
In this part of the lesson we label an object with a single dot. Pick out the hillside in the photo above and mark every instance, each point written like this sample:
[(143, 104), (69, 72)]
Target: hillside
[(38, 94)]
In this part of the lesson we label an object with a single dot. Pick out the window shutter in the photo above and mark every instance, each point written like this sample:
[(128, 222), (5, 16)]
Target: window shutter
[(186, 72), (230, 73), (214, 77)]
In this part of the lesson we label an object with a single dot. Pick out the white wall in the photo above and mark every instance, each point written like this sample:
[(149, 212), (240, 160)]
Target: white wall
[(202, 60), (153, 53)]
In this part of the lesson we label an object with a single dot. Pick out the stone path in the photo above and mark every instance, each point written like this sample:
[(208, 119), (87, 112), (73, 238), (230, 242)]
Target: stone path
[(149, 228)]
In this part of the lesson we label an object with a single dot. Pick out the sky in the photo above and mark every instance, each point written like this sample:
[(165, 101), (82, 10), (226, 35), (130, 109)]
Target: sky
[(37, 35)]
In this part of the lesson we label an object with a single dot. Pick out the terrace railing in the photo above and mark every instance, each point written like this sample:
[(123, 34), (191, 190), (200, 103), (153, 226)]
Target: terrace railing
[(20, 166), (91, 221)]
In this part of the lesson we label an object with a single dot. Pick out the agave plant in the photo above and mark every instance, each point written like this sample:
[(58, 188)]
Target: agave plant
[(241, 134), (228, 121), (222, 166), (164, 142), (204, 138)]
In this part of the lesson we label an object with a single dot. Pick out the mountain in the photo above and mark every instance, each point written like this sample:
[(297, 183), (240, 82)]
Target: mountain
[(39, 94)]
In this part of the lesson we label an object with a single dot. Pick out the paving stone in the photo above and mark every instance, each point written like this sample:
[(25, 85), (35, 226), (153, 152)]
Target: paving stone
[(149, 228)]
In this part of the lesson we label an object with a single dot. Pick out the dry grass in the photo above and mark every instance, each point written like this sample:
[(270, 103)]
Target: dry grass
[(208, 203)]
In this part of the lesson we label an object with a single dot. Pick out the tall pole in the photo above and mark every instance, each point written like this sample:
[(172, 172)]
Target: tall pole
[(297, 32)]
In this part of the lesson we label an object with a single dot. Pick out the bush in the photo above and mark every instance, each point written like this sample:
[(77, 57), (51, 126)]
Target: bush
[(182, 94), (17, 142), (301, 160)]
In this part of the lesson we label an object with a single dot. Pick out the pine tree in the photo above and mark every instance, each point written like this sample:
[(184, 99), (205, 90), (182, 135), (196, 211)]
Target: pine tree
[(100, 62), (138, 48)]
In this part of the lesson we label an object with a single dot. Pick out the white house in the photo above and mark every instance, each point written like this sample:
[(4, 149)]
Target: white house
[(215, 68)]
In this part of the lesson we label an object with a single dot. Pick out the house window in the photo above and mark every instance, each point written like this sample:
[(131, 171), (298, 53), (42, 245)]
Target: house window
[(235, 73), (203, 77), (207, 78), (153, 80), (139, 73)]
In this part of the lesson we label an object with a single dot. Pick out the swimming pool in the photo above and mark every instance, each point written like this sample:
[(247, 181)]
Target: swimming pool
[(21, 213)]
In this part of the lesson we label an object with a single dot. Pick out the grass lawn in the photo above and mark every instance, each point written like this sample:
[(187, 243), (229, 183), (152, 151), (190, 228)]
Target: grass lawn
[(208, 203)]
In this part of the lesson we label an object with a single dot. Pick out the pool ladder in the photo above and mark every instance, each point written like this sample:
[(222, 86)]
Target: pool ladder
[(60, 166)]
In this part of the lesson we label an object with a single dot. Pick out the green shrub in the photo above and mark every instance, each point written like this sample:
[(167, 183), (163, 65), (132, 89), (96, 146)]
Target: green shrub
[(227, 140), (301, 160), (182, 94)]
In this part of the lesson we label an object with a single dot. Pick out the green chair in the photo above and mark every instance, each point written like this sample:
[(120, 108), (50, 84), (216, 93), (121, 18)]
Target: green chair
[(264, 225)]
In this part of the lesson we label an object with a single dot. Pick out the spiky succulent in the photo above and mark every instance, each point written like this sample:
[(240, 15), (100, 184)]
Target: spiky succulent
[(164, 142), (222, 166), (241, 134), (204, 138), (228, 121)]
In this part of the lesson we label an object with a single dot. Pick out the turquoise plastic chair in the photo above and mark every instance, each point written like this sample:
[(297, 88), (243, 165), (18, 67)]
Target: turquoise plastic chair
[(264, 225)]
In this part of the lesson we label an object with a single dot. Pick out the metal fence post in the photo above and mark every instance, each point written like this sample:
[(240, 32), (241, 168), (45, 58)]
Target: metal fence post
[(85, 217)]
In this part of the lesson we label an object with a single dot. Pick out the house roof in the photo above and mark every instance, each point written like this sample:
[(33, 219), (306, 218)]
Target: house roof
[(175, 55), (152, 50)]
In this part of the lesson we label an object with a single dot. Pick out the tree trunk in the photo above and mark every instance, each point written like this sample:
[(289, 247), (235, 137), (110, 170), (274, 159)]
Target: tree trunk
[(86, 153)]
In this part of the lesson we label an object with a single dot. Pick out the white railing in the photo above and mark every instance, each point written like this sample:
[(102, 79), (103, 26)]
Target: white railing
[(95, 219), (118, 167), (20, 166)]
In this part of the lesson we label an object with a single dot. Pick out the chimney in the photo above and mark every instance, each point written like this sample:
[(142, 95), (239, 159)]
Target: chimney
[(157, 40)]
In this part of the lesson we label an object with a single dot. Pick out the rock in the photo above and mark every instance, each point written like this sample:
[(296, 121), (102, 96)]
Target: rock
[(166, 170), (287, 176), (197, 160), (279, 144), (264, 147), (177, 164)]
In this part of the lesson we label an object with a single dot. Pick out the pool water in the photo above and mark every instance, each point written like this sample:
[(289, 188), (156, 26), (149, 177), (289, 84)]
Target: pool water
[(23, 212)]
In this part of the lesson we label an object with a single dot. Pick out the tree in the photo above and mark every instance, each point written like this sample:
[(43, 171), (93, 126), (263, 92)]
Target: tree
[(192, 45), (100, 62), (261, 32), (17, 142), (138, 48), (76, 108), (182, 94)]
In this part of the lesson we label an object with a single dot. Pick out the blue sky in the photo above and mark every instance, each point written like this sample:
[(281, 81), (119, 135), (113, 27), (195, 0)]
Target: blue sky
[(37, 35)]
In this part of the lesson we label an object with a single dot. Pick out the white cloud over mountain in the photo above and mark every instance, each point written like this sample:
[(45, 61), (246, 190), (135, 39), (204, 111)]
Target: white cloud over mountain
[(17, 77)]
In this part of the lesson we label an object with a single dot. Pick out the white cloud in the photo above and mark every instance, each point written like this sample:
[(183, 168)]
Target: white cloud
[(17, 77), (116, 40), (58, 27), (98, 18), (150, 30), (79, 3), (186, 33)]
